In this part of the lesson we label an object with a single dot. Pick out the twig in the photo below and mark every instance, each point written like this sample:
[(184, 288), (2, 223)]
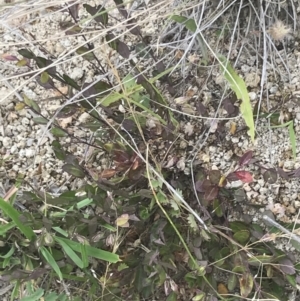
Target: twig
[(281, 228)]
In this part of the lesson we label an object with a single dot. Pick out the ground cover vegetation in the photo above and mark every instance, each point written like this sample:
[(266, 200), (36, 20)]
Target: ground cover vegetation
[(155, 221)]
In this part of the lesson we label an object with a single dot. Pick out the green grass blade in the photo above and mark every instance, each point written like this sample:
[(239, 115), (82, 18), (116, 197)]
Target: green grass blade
[(238, 85), (35, 296), (292, 138), (84, 256), (93, 252), (7, 227), (69, 251), (15, 216), (51, 261)]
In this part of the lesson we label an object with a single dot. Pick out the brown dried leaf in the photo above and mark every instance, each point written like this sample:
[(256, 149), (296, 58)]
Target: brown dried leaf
[(108, 173), (246, 284)]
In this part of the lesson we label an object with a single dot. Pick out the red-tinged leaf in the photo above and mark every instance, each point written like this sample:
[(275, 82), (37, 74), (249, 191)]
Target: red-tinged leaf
[(121, 157), (211, 193), (246, 284), (108, 173), (9, 57), (198, 186), (282, 173), (244, 160), (244, 176), (214, 176), (203, 186), (287, 267), (135, 174), (231, 177)]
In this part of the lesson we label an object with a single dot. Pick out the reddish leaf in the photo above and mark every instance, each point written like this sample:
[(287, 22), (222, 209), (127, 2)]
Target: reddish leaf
[(232, 177), (244, 176), (211, 193), (214, 176), (287, 267), (282, 173), (108, 173), (9, 57), (203, 186), (244, 160), (121, 157), (135, 174), (231, 109)]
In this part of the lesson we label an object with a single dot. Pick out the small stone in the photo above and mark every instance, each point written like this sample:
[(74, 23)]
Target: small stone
[(29, 153), (6, 142), (252, 95), (29, 142), (252, 80), (273, 89)]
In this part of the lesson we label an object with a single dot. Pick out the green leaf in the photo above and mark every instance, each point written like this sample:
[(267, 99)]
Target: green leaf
[(35, 296), (110, 99), (69, 251), (98, 12), (74, 170), (232, 282), (15, 216), (58, 150), (242, 236), (6, 227), (86, 53), (58, 132), (9, 253), (31, 103), (190, 24), (26, 53), (292, 138), (217, 208), (44, 77), (51, 261), (238, 85), (70, 82), (84, 256), (173, 297), (40, 120), (22, 63), (93, 252), (52, 297), (246, 284)]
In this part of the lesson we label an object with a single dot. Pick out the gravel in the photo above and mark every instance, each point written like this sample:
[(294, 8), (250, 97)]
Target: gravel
[(28, 146)]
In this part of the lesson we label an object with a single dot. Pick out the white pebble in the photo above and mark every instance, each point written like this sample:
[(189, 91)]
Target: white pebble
[(6, 142)]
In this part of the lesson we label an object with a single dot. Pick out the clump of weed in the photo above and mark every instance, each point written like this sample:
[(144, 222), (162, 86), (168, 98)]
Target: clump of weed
[(125, 233)]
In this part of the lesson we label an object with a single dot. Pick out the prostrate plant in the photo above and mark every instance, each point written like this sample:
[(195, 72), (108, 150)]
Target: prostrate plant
[(125, 233)]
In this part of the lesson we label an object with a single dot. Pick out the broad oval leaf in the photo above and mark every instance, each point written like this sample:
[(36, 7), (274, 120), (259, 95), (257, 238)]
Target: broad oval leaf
[(73, 170), (287, 267), (242, 236), (244, 176), (246, 284), (122, 221), (244, 160), (211, 193), (214, 176), (26, 53)]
